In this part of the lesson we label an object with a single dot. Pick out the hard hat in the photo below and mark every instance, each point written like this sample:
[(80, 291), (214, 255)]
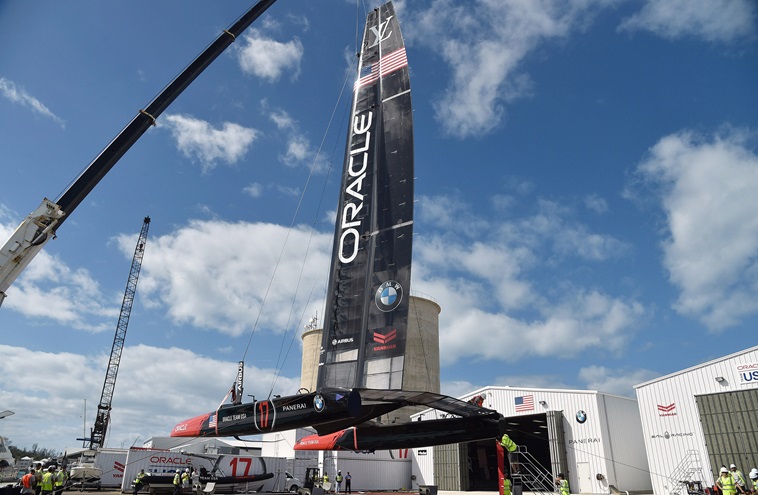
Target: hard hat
[(178, 470), (724, 470), (732, 466), (186, 470), (754, 474)]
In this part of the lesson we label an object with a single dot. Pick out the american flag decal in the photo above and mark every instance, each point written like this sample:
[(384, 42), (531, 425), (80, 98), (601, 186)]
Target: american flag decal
[(212, 421), (387, 64), (524, 403)]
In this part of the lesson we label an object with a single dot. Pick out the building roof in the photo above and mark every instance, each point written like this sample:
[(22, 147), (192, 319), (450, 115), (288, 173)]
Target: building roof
[(697, 366), (548, 390)]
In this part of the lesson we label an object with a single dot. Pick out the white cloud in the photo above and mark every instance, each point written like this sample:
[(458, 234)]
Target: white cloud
[(197, 139), (596, 203), (485, 44), (48, 289), (215, 275), (299, 148), (254, 190), (615, 381), (17, 95), (269, 59), (711, 20), (151, 395), (707, 189), (581, 321), (283, 120), (489, 282)]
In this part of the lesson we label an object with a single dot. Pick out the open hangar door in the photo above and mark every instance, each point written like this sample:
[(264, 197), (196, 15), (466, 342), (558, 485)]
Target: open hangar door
[(730, 428), (530, 431)]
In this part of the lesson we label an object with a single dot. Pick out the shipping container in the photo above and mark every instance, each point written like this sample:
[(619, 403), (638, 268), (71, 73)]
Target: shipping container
[(113, 463), (161, 465), (370, 471)]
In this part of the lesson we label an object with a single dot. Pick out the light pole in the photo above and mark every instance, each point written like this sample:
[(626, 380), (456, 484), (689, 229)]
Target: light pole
[(5, 414)]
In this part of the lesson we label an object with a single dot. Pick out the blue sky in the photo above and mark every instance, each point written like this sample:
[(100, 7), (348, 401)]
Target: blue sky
[(585, 216)]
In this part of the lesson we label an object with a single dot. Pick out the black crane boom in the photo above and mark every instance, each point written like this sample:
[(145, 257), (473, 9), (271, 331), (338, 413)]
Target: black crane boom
[(41, 225), (97, 438), (107, 158)]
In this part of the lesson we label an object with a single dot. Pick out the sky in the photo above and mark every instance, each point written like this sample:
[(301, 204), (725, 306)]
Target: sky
[(585, 196)]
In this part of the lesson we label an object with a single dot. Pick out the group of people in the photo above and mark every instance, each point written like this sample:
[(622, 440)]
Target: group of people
[(732, 482), (338, 482), (185, 480), (39, 481)]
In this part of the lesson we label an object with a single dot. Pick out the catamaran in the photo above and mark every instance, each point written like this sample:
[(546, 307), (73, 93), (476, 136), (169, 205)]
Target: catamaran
[(360, 374)]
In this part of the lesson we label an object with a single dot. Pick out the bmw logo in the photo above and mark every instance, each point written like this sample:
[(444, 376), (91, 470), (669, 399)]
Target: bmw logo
[(318, 403), (388, 296), (581, 417)]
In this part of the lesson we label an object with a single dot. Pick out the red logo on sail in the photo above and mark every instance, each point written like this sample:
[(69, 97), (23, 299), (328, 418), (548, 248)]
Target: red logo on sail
[(384, 340), (669, 410)]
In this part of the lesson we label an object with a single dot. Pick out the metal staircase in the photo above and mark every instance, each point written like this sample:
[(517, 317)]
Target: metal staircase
[(684, 472), (527, 471)]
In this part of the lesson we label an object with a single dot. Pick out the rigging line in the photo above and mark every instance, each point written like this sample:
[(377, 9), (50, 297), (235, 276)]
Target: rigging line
[(292, 223), (280, 360), (278, 372)]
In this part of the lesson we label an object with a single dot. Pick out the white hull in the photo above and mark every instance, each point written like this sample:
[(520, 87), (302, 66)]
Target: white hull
[(86, 473)]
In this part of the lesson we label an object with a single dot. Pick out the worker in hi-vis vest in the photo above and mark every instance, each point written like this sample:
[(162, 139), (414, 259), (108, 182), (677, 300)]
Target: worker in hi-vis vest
[(178, 482), (510, 447), (47, 481), (506, 484), (563, 484), (726, 482)]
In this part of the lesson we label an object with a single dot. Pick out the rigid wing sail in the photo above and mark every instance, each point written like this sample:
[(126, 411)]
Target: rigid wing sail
[(360, 374)]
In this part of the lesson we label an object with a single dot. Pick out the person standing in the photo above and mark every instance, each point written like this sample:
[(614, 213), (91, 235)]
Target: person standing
[(195, 476), (59, 478), (562, 484), (178, 482), (338, 479), (506, 484), (348, 480), (186, 479), (139, 481), (38, 479), (29, 482), (510, 447), (48, 481), (740, 484), (754, 477), (726, 482)]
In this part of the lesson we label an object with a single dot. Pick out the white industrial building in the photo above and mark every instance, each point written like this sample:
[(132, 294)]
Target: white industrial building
[(698, 419), (595, 439)]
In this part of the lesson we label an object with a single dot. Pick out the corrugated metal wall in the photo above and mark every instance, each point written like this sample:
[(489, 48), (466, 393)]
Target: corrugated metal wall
[(450, 467), (558, 459), (730, 427), (371, 474)]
